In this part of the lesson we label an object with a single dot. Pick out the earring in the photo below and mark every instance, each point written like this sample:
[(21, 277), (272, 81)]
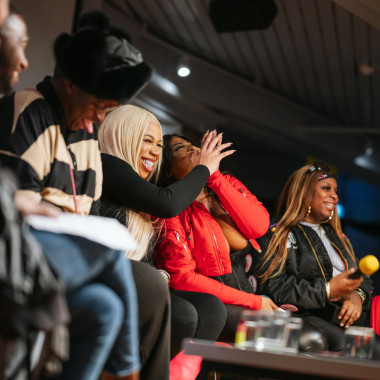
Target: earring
[(329, 218), (308, 212)]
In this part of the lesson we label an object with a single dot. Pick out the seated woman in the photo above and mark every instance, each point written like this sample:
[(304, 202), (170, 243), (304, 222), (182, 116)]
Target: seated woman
[(131, 141), (197, 246), (307, 258)]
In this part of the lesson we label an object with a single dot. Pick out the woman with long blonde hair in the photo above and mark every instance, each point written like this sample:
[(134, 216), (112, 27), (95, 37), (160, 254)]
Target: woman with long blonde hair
[(131, 144), (307, 259)]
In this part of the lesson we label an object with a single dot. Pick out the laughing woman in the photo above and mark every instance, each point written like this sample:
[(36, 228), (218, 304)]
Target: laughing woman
[(204, 246), (131, 143), (308, 259)]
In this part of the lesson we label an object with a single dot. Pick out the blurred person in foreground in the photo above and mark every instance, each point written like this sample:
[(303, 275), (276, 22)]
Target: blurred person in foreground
[(48, 139)]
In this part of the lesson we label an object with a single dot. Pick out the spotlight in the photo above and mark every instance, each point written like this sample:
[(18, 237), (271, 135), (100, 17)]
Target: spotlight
[(183, 68)]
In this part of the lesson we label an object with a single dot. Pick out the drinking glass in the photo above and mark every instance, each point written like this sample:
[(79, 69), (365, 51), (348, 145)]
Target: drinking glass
[(359, 342), (262, 330), (294, 328)]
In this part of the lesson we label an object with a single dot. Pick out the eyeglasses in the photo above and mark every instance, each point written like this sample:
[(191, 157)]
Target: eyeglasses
[(105, 105)]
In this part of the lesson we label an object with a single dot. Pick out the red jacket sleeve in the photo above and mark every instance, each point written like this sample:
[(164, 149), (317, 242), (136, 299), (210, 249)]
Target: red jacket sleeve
[(174, 255), (246, 211)]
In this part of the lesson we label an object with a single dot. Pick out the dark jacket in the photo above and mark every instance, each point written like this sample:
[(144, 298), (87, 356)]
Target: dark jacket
[(301, 282)]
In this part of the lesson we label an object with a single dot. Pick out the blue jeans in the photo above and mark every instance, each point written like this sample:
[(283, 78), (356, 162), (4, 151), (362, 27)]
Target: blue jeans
[(102, 301)]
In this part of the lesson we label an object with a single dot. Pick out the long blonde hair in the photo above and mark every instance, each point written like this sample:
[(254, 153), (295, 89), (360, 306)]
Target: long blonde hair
[(121, 135), (292, 207)]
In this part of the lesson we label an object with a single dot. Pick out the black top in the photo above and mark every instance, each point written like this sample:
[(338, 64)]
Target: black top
[(122, 185)]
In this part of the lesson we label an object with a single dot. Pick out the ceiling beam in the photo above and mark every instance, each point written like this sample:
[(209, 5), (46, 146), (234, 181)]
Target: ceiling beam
[(367, 10)]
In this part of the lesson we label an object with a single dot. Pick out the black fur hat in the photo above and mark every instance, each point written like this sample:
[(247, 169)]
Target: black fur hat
[(100, 59)]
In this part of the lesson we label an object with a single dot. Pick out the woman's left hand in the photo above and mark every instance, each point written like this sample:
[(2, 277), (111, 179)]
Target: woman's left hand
[(351, 309)]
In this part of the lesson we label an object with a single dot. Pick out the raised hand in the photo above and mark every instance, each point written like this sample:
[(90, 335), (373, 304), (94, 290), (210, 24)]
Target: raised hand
[(212, 151)]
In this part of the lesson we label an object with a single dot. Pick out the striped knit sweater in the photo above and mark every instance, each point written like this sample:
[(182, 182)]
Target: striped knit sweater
[(52, 163)]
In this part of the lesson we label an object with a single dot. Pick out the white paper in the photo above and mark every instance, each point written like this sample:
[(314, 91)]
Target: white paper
[(105, 231)]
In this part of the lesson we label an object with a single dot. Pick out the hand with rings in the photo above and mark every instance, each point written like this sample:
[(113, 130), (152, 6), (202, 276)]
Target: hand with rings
[(212, 151)]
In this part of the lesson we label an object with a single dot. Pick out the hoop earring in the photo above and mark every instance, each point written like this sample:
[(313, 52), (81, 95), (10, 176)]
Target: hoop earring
[(308, 212)]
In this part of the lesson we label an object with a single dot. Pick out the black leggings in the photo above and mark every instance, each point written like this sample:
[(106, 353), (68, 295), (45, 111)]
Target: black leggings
[(195, 315), (154, 321)]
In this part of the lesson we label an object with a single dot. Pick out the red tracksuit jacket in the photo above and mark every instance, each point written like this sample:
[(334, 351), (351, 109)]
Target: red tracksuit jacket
[(192, 245)]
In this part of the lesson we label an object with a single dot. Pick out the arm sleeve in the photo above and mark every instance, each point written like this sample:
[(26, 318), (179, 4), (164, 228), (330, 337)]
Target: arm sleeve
[(246, 211), (287, 287), (124, 186), (27, 149), (367, 287), (173, 254)]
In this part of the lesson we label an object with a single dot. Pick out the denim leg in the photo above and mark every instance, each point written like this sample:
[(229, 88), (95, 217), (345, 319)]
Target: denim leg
[(97, 314), (77, 260), (80, 262), (125, 356)]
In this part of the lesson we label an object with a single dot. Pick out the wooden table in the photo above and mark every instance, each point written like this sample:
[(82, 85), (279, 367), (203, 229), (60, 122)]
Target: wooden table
[(255, 364)]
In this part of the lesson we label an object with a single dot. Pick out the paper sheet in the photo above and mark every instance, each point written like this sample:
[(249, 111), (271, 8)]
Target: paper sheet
[(105, 231)]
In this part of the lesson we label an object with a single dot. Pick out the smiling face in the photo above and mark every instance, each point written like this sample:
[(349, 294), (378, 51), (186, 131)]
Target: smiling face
[(181, 160), (151, 149), (82, 108), (14, 40), (325, 199)]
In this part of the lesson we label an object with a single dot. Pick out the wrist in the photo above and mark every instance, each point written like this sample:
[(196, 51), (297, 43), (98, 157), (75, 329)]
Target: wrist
[(328, 290), (361, 294), (213, 176)]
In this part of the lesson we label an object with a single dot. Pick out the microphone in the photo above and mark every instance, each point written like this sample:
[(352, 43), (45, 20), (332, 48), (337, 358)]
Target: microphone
[(367, 265)]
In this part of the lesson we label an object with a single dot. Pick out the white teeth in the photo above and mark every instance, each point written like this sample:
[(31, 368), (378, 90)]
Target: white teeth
[(148, 163)]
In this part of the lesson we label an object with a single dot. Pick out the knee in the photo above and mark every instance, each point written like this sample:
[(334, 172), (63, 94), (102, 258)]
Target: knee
[(152, 289), (183, 313), (216, 309), (95, 309), (312, 338)]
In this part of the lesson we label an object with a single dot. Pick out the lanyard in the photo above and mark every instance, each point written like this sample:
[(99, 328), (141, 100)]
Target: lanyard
[(72, 178)]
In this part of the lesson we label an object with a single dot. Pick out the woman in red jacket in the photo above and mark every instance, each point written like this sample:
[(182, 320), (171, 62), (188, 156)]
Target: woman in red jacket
[(206, 248)]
